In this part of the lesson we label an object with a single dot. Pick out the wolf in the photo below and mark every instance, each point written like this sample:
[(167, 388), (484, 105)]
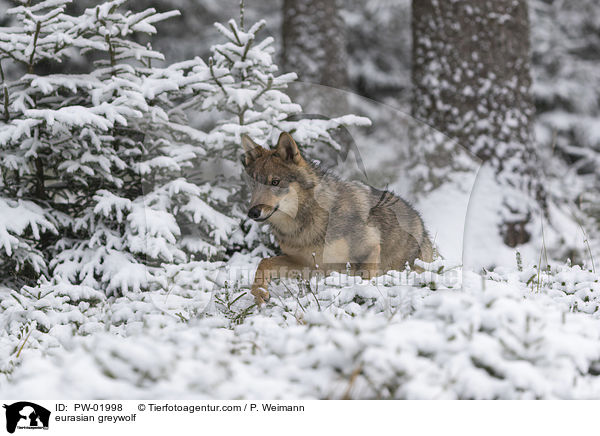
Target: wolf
[(324, 224)]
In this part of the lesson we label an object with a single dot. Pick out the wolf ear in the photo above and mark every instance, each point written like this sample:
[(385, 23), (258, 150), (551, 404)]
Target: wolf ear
[(287, 148), (251, 150)]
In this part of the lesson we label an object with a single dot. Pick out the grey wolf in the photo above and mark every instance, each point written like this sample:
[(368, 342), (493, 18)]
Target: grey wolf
[(323, 223)]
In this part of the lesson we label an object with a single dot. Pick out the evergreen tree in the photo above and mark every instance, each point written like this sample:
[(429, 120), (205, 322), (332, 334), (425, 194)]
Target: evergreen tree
[(100, 165), (74, 145)]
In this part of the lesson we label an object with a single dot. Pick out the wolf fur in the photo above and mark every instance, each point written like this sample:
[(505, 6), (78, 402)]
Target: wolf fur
[(325, 224)]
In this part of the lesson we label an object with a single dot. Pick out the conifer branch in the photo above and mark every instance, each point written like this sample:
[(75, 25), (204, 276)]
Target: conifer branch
[(5, 96), (225, 56), (242, 14), (38, 28), (10, 55), (233, 29), (214, 76), (247, 48), (111, 51)]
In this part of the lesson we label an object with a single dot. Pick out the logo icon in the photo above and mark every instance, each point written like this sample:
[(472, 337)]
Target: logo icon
[(26, 415)]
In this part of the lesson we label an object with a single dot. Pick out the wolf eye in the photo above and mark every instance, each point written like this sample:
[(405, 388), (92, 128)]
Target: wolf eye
[(275, 182)]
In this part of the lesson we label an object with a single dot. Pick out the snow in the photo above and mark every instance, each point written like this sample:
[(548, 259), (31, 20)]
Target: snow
[(483, 337)]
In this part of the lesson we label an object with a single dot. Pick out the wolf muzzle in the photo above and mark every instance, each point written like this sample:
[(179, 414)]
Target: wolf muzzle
[(256, 212)]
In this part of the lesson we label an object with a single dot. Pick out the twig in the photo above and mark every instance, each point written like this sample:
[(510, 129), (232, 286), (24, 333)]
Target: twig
[(111, 51), (353, 378), (246, 49), (5, 92), (297, 297), (232, 27), (24, 342), (38, 27), (314, 295), (214, 76), (225, 56)]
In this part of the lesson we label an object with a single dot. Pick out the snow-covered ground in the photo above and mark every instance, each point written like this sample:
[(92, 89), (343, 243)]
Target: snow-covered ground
[(445, 333)]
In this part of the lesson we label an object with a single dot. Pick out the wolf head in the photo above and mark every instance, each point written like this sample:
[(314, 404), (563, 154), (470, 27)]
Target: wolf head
[(280, 179)]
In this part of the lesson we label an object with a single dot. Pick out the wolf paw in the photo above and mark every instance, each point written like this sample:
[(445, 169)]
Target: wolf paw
[(260, 295)]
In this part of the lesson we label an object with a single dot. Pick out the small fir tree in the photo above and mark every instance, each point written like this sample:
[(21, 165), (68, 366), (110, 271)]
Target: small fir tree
[(107, 176)]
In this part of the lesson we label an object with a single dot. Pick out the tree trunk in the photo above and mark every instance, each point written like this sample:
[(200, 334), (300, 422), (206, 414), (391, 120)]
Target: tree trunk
[(314, 47), (471, 77), (314, 44)]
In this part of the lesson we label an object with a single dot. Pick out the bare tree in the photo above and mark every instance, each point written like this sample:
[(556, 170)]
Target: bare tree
[(471, 77)]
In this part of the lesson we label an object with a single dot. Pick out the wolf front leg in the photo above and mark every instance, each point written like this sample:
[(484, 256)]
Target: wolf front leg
[(272, 268)]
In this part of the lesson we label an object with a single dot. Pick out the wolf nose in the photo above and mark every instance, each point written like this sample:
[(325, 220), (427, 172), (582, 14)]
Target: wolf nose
[(254, 212)]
